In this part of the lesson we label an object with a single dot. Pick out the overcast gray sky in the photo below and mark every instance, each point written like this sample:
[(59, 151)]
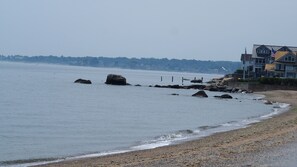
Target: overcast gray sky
[(182, 29)]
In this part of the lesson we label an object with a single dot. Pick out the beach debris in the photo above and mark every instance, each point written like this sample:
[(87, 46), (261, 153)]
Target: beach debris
[(224, 96), (83, 81), (114, 79), (200, 93)]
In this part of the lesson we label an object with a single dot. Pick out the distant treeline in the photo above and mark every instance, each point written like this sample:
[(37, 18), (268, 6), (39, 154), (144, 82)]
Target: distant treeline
[(211, 67)]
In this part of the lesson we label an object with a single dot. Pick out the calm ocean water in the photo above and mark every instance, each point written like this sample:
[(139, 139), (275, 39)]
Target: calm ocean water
[(44, 115)]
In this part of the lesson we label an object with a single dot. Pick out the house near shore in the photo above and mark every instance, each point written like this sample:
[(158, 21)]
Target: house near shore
[(270, 61)]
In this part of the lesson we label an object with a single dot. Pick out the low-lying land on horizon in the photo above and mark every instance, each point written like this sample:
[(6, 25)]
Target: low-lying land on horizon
[(210, 67)]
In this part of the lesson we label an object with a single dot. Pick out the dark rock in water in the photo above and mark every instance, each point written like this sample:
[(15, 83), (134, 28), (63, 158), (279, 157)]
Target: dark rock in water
[(195, 87), (137, 85), (212, 89), (187, 131), (224, 96), (83, 81), (175, 94), (174, 86), (200, 94), (169, 86), (196, 81), (113, 79)]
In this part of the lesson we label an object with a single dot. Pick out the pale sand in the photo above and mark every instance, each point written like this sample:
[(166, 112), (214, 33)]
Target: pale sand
[(261, 144)]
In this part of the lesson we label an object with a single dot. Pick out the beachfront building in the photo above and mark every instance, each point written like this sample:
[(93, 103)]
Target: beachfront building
[(270, 61), (285, 65), (247, 65)]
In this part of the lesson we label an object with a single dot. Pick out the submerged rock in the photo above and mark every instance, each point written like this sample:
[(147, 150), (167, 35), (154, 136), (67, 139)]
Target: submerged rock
[(224, 96), (200, 94), (83, 81), (196, 81), (114, 79)]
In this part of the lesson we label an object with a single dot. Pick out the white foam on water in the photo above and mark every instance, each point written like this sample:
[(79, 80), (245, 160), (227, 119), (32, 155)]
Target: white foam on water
[(151, 145), (98, 154), (277, 109)]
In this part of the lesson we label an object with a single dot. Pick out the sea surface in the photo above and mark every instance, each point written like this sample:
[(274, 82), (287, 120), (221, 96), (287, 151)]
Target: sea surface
[(44, 116)]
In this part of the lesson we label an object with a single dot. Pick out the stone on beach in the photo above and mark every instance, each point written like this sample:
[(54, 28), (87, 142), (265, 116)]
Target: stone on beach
[(200, 94), (114, 79)]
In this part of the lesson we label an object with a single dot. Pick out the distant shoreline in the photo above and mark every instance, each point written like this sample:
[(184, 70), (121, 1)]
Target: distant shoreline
[(235, 148), (175, 65)]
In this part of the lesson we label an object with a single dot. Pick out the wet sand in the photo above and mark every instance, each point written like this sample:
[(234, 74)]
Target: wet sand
[(267, 143)]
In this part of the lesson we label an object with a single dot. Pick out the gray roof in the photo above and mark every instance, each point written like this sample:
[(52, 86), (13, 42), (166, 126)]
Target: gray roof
[(275, 47)]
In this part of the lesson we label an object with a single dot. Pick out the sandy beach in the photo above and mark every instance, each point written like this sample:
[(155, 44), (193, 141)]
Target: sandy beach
[(267, 143)]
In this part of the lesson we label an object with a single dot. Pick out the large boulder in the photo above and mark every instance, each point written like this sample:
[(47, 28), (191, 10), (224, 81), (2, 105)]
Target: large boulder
[(114, 79), (200, 94), (83, 81), (224, 96)]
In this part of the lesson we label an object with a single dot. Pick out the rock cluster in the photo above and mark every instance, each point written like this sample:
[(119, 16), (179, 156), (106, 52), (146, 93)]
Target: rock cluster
[(181, 87), (212, 88)]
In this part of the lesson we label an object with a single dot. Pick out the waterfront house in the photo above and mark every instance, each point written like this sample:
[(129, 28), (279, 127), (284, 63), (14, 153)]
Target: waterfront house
[(284, 65), (270, 61)]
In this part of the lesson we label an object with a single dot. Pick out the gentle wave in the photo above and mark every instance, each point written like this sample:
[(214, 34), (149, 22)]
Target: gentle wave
[(202, 131)]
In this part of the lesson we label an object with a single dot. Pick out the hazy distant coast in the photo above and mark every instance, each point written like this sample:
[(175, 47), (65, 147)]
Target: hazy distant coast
[(197, 66)]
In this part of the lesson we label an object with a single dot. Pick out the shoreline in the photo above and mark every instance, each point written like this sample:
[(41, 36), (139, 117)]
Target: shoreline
[(232, 148)]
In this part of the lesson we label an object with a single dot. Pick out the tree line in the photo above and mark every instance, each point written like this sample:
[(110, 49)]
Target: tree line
[(183, 65)]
